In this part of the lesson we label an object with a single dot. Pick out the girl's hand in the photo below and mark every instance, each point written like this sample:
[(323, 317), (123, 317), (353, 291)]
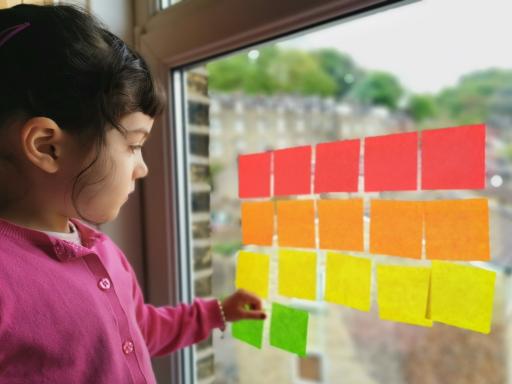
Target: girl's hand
[(243, 305)]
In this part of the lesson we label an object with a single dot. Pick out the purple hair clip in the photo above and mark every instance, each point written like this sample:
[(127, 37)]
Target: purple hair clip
[(7, 33)]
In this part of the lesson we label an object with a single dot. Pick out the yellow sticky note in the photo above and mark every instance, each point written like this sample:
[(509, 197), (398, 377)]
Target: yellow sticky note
[(296, 223), (402, 293), (457, 229), (297, 274), (257, 222), (252, 272), (462, 296), (340, 224), (348, 280), (396, 228)]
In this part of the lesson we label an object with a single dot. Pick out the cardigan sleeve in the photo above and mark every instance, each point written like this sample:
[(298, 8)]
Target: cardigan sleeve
[(168, 328)]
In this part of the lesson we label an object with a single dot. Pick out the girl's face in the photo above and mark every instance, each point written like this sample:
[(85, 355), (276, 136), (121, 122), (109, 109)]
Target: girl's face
[(48, 161), (124, 165)]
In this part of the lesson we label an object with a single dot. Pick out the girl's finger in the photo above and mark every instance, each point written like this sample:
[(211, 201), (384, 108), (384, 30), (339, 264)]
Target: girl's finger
[(256, 315), (253, 301)]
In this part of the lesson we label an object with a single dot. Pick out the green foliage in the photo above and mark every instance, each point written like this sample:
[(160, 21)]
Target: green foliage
[(324, 72), (378, 88), (507, 151), (477, 97), (300, 73), (422, 107), (238, 73), (274, 71), (227, 249), (469, 101), (216, 168), (501, 101), (340, 67)]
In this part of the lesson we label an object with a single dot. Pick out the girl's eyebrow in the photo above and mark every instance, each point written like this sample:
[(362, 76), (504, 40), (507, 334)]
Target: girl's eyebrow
[(139, 130)]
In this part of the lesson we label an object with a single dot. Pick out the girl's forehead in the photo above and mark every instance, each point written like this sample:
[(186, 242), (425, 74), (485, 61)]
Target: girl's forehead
[(137, 118)]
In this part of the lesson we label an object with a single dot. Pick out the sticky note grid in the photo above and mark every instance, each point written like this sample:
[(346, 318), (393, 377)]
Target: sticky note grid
[(437, 230)]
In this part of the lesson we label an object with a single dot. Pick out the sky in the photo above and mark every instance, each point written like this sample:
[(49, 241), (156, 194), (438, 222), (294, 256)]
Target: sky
[(428, 44)]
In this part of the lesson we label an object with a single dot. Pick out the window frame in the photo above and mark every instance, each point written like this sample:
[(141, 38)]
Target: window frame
[(159, 38)]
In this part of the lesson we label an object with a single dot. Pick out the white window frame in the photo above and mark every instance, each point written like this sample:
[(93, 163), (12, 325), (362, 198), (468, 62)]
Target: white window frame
[(187, 33)]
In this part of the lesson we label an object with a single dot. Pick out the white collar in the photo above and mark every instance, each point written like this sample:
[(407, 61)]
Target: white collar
[(73, 236)]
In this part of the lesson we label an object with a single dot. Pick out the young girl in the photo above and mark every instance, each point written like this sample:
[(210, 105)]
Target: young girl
[(75, 108)]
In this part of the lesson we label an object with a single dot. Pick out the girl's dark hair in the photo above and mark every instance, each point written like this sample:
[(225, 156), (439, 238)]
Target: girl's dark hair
[(68, 67)]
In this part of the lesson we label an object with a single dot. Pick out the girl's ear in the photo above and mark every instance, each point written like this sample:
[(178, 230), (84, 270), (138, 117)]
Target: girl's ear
[(42, 141)]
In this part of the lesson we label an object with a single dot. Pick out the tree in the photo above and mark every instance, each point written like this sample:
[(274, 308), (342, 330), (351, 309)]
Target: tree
[(469, 101), (340, 67), (240, 73), (422, 107), (299, 72), (378, 88), (500, 109), (290, 71)]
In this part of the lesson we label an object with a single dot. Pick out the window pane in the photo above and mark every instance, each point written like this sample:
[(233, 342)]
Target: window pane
[(164, 4), (425, 65)]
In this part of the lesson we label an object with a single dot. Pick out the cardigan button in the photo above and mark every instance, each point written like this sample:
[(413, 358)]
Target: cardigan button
[(104, 284), (127, 347)]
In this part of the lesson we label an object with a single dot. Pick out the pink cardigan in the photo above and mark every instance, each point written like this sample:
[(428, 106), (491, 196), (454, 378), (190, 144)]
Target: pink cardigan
[(76, 314)]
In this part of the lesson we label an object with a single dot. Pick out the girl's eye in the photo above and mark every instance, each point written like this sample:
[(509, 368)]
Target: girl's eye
[(135, 147)]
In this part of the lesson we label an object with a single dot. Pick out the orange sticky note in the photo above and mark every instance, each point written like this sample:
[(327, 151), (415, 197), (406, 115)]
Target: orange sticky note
[(296, 223), (457, 229), (340, 224), (396, 228), (257, 222)]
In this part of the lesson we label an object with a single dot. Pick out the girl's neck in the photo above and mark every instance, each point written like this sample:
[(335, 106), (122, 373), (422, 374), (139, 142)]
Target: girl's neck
[(58, 224)]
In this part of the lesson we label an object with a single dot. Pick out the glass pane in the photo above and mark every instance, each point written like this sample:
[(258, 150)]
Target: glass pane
[(431, 64), (164, 4)]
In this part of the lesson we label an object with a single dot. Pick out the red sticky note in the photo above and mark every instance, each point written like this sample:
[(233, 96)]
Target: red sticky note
[(292, 171), (453, 158), (337, 166), (254, 175), (390, 162)]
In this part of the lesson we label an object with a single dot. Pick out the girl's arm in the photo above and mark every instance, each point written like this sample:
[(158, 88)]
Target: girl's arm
[(166, 328)]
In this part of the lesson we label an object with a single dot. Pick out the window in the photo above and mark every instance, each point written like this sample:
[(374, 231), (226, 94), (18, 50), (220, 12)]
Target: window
[(239, 126), (215, 127), (385, 71), (281, 126)]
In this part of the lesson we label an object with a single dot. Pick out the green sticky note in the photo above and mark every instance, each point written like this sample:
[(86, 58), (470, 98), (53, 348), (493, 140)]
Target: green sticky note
[(297, 274), (249, 331), (403, 294), (252, 272), (462, 296), (348, 280), (289, 329)]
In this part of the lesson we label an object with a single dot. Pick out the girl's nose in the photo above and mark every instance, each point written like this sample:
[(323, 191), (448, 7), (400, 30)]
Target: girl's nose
[(141, 170)]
